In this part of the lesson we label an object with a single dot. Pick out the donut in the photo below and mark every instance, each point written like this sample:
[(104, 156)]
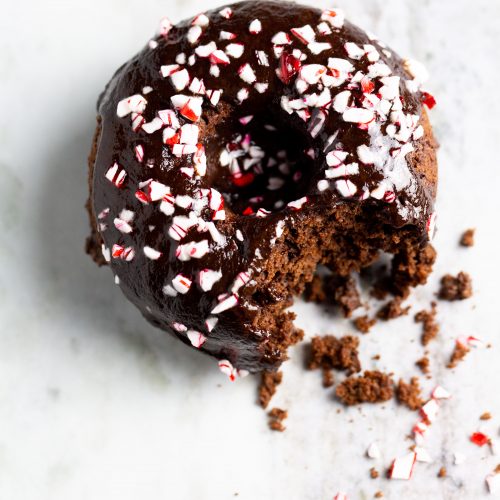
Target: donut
[(243, 148)]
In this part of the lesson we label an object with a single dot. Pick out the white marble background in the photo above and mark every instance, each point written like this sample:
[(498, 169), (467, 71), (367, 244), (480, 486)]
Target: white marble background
[(96, 404)]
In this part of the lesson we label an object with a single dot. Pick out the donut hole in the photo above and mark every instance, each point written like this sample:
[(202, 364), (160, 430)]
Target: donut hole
[(265, 164)]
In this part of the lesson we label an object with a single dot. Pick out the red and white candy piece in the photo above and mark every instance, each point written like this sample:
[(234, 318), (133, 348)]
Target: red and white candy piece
[(122, 225), (169, 69), (139, 153), (346, 188), (430, 410), (201, 20), (227, 35), (281, 38), (123, 253), (318, 47), (180, 79), (225, 304), (247, 74), (341, 496), (255, 27), (241, 280), (165, 26), (181, 284), (210, 323), (235, 50), (298, 204), (197, 339), (335, 17), (440, 392), (192, 250), (227, 368), (226, 12), (116, 175), (358, 115), (402, 467), (219, 57), (133, 104), (431, 226), (354, 51), (305, 34)]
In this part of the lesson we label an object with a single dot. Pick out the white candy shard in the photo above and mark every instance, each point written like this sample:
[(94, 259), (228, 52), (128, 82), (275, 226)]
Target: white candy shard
[(207, 279), (197, 339), (225, 304), (373, 451), (151, 253)]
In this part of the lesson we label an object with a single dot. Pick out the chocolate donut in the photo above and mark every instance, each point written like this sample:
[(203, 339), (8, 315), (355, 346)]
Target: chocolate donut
[(241, 149)]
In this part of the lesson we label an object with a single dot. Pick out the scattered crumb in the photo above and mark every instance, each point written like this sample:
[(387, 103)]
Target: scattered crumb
[(371, 387), (430, 328), (268, 385), (457, 355), (379, 494), (363, 324), (497, 469), (456, 288), (442, 472), (374, 473), (467, 239), (409, 394), (276, 417), (376, 357), (485, 416), (423, 364), (329, 353), (393, 309)]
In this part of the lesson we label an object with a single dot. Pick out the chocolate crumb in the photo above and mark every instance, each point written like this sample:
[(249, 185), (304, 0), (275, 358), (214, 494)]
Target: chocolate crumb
[(442, 472), (497, 469), (393, 309), (329, 353), (423, 364), (371, 387), (363, 324), (456, 288), (268, 384), (379, 494), (276, 417), (485, 416), (374, 473), (457, 355), (409, 394), (467, 239), (430, 327)]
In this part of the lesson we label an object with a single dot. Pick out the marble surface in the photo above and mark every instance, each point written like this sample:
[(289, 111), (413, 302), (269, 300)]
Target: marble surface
[(95, 403)]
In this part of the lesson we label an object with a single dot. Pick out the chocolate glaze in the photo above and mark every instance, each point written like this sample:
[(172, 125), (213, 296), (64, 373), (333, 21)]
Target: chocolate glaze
[(142, 279)]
